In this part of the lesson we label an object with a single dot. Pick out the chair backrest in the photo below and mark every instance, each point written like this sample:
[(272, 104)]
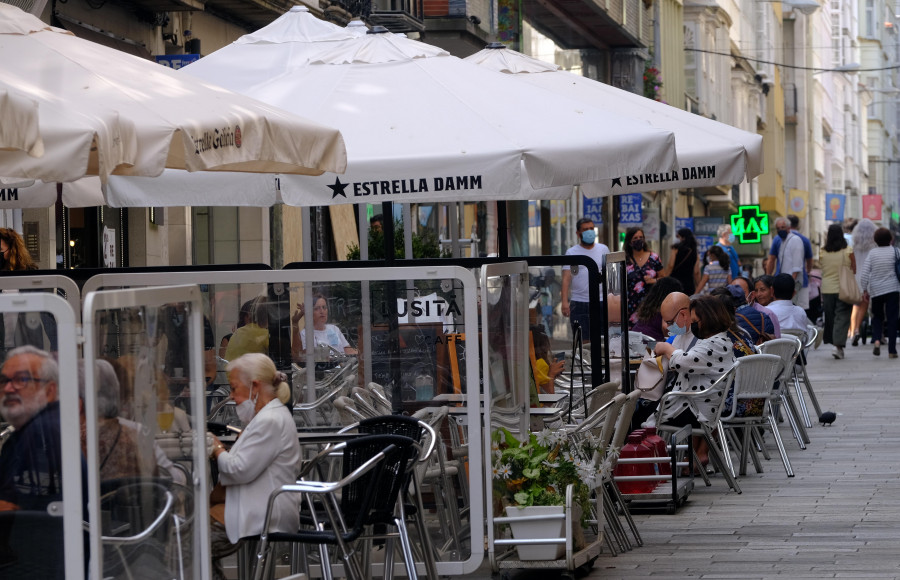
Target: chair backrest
[(602, 395), (754, 379), (374, 496), (787, 348), (379, 397), (364, 403), (347, 410), (623, 423)]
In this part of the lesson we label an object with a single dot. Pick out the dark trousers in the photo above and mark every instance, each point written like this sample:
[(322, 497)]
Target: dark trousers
[(580, 312), (837, 320), (886, 306)]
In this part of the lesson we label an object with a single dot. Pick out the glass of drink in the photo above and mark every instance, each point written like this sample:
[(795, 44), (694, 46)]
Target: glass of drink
[(165, 415)]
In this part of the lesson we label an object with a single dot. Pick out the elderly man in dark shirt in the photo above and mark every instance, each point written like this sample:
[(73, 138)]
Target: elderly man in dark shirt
[(30, 462)]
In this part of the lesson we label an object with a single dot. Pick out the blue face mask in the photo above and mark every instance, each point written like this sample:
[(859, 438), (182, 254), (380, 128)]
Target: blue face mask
[(588, 236), (731, 238), (675, 330)]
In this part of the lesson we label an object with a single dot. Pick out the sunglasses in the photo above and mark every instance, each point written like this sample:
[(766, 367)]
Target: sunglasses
[(19, 381)]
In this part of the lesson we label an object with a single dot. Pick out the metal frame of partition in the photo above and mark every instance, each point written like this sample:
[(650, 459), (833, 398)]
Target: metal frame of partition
[(72, 505), (310, 276), (153, 297), (617, 259), (53, 281)]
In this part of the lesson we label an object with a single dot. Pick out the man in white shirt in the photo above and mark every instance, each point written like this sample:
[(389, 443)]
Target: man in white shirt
[(676, 322), (790, 316), (790, 258), (575, 282)]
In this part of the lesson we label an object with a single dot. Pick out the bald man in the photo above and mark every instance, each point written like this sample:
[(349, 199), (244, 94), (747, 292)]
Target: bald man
[(676, 315)]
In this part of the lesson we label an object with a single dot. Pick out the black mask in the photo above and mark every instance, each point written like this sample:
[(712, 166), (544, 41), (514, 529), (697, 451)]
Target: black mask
[(695, 329)]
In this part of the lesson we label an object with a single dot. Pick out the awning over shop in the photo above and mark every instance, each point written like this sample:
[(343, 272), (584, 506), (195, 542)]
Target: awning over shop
[(88, 32)]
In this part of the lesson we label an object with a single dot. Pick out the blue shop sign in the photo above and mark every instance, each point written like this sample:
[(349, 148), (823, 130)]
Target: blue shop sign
[(593, 210), (630, 212), (176, 61), (684, 223)]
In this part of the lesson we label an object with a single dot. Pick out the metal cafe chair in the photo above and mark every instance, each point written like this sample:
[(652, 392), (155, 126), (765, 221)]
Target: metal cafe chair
[(340, 511)]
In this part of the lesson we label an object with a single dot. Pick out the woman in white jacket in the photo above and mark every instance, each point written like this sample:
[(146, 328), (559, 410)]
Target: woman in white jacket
[(265, 457)]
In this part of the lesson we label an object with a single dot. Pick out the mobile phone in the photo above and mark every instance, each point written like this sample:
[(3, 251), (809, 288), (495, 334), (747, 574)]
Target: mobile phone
[(560, 356)]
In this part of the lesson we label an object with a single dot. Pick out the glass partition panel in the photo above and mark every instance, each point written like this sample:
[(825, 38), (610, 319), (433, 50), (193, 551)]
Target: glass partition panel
[(41, 501), (388, 340), (616, 302), (146, 448)]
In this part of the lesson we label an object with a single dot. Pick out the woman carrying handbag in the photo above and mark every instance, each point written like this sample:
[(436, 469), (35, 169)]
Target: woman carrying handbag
[(835, 257)]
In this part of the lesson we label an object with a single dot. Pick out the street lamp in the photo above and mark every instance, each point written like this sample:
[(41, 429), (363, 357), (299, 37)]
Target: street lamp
[(850, 67)]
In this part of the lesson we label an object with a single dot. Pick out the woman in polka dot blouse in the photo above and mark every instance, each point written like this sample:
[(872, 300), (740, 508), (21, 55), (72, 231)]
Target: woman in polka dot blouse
[(698, 368)]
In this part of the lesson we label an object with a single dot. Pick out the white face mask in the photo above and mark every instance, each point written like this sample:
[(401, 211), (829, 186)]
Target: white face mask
[(247, 410)]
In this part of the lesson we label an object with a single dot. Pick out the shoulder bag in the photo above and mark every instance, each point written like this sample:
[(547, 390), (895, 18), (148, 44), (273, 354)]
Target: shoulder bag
[(897, 263), (762, 335), (849, 290)]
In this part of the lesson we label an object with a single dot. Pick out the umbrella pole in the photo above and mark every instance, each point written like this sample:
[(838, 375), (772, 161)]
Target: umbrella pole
[(387, 211), (502, 230)]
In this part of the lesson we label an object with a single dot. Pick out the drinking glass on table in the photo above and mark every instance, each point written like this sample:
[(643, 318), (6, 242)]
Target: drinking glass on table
[(165, 415)]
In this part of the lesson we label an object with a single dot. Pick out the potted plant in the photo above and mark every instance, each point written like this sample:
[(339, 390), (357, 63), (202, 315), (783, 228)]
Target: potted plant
[(530, 478)]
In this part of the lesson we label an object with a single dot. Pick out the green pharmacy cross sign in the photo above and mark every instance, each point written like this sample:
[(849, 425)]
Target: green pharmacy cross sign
[(749, 224)]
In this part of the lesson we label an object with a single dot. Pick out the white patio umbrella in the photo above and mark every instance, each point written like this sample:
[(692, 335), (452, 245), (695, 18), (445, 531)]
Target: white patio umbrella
[(19, 194), (104, 112), (19, 131), (709, 153), (423, 126)]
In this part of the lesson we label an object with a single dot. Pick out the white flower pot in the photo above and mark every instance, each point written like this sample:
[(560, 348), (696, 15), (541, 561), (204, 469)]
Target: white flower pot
[(538, 530)]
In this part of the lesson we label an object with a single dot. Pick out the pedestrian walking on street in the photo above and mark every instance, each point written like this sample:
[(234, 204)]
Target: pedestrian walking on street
[(879, 281), (684, 262), (575, 283), (835, 256), (863, 241)]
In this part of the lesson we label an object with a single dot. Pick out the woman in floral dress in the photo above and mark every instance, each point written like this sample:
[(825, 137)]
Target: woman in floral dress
[(642, 267)]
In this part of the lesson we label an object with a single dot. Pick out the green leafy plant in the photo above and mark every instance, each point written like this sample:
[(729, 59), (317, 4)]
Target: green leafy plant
[(538, 470), (425, 244)]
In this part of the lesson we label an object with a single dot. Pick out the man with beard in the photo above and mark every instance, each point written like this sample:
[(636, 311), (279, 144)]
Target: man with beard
[(30, 462)]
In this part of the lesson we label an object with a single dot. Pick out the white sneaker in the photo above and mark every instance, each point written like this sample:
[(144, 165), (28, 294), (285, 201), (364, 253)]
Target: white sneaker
[(838, 352)]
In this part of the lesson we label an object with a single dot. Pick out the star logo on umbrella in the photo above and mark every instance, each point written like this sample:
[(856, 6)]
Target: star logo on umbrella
[(617, 181), (338, 188)]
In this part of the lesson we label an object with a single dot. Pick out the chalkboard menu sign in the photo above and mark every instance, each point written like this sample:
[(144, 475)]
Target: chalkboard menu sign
[(422, 359)]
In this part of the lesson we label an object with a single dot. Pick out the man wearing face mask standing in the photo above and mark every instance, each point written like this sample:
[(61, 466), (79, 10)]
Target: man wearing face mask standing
[(791, 253), (575, 282), (726, 239)]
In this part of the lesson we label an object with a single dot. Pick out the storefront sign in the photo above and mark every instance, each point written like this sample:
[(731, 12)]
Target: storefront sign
[(593, 210), (176, 61), (749, 224), (834, 206), (630, 209), (109, 247), (708, 226), (684, 223)]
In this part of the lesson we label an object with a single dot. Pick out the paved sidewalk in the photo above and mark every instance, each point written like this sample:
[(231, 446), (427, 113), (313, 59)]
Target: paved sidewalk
[(837, 518)]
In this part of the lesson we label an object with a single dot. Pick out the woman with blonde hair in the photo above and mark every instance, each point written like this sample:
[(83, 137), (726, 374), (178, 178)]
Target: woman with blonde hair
[(863, 237), (265, 457)]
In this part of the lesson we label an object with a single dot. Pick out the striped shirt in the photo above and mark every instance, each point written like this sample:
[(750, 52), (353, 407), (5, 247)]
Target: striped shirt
[(878, 275)]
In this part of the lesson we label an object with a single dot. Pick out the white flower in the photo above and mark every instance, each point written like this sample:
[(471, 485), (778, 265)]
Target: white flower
[(495, 446), (548, 464), (614, 451), (498, 454), (606, 469), (567, 455), (496, 471), (545, 438), (505, 471)]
